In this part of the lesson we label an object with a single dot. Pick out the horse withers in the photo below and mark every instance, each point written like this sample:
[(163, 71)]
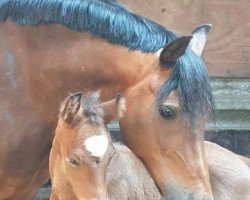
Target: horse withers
[(85, 164)]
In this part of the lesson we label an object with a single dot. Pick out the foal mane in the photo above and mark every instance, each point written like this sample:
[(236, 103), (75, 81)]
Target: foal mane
[(111, 21), (81, 106)]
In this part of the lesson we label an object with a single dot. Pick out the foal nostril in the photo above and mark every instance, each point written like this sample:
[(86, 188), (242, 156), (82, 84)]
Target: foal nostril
[(96, 160)]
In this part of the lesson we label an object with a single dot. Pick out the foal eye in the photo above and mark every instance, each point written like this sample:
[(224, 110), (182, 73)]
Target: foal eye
[(73, 162), (167, 112)]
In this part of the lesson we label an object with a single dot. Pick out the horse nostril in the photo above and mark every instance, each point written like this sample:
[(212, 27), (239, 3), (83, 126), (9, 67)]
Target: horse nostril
[(176, 193)]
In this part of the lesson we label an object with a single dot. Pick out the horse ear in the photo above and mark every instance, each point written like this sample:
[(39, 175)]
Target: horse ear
[(174, 50), (199, 38), (114, 109), (70, 110)]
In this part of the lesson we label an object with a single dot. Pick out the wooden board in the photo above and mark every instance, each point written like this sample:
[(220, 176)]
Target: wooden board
[(228, 49)]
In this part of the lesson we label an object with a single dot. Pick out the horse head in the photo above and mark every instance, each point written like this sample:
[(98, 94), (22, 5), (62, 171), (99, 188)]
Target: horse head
[(169, 118)]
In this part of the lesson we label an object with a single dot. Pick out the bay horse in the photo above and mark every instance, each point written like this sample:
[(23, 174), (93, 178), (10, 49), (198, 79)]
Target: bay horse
[(49, 48), (84, 163)]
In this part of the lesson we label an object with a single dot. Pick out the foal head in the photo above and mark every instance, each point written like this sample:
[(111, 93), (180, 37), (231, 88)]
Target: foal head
[(84, 141)]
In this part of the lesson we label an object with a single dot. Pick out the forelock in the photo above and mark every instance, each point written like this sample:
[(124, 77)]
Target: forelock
[(189, 77), (91, 107)]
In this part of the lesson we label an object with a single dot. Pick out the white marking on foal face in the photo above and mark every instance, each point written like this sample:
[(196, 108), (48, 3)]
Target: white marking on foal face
[(97, 145)]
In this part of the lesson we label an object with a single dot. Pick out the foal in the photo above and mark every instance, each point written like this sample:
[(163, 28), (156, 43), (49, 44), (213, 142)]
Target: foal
[(85, 165)]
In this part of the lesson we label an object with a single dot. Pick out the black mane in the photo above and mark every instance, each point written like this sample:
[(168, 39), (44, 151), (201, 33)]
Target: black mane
[(103, 18), (190, 78)]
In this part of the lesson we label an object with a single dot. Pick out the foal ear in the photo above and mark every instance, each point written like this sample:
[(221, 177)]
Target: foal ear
[(114, 109), (173, 51), (199, 38), (71, 108)]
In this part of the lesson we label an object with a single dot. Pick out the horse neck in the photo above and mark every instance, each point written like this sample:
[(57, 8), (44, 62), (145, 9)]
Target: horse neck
[(51, 61)]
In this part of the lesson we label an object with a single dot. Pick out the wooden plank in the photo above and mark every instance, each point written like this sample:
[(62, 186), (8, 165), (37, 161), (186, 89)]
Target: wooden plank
[(172, 14), (228, 49)]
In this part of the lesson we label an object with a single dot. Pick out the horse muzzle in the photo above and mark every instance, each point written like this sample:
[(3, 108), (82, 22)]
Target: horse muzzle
[(175, 192)]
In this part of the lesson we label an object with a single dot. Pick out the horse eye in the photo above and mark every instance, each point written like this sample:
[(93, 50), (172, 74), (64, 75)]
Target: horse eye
[(167, 112), (73, 162)]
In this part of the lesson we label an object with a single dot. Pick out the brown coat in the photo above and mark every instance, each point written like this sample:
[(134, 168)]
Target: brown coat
[(229, 175), (128, 179)]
